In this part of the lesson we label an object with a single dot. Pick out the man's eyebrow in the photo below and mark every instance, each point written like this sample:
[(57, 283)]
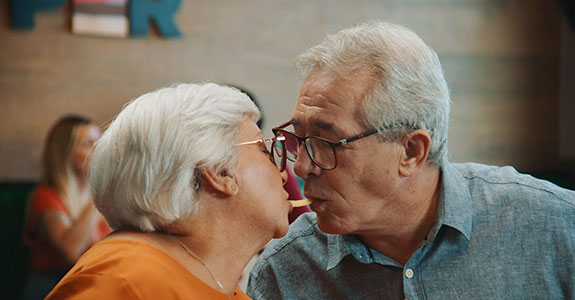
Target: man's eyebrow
[(325, 126), (320, 124)]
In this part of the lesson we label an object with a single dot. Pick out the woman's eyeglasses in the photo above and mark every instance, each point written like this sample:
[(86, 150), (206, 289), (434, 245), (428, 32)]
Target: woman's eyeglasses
[(276, 150)]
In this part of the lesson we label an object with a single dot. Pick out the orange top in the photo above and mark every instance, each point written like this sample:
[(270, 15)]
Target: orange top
[(43, 256), (123, 269)]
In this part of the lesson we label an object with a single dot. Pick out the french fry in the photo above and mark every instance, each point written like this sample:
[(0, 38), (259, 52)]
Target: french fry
[(300, 203)]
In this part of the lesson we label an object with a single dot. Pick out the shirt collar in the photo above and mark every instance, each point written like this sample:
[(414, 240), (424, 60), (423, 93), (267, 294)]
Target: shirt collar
[(455, 206), (336, 250), (342, 245)]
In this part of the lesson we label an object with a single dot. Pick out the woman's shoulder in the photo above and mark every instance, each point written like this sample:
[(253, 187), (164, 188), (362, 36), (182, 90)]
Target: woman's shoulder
[(124, 258), (45, 198), (113, 267), (45, 190)]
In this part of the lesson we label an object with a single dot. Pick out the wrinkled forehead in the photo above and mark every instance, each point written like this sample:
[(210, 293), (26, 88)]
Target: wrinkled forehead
[(327, 99)]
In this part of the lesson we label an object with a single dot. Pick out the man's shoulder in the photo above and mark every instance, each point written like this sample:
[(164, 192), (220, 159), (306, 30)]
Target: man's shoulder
[(508, 181)]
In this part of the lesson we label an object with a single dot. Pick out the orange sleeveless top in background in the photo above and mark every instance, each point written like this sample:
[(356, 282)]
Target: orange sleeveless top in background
[(122, 269), (43, 256)]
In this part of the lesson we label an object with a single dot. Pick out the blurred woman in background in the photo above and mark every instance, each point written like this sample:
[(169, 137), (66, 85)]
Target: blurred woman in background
[(61, 220)]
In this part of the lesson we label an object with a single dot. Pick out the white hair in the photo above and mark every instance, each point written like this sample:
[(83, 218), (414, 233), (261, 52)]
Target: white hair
[(409, 89), (145, 167)]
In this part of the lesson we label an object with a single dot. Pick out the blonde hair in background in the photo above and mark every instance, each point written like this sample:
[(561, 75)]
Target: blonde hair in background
[(57, 172)]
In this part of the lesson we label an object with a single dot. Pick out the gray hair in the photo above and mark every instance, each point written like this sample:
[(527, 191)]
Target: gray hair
[(145, 167), (409, 88)]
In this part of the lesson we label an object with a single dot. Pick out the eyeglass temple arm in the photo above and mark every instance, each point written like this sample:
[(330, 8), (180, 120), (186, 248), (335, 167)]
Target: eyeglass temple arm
[(357, 137), (284, 124), (281, 126), (279, 138)]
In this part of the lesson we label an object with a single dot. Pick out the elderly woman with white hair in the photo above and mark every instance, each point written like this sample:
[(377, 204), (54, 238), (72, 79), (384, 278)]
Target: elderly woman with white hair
[(192, 190)]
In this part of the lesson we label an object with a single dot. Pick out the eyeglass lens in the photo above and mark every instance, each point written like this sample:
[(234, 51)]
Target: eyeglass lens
[(320, 151), (278, 154), (292, 145)]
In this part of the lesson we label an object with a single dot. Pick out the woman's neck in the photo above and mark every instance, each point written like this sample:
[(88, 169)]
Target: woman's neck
[(217, 243), (217, 254), (81, 181)]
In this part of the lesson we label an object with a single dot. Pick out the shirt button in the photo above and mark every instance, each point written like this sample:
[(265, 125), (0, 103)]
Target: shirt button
[(409, 273)]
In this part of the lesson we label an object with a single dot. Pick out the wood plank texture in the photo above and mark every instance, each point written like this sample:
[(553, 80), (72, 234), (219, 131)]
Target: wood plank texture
[(501, 58)]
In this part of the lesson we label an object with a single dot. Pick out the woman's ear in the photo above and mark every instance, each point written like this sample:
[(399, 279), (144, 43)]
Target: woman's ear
[(416, 149), (221, 181)]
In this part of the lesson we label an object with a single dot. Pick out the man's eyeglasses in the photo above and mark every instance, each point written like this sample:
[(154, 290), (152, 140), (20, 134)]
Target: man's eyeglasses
[(276, 150), (320, 150)]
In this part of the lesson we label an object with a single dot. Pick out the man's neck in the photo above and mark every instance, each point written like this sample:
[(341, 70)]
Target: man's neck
[(401, 241)]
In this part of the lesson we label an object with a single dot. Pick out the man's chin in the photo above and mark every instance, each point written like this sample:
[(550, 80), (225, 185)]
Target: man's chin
[(328, 227)]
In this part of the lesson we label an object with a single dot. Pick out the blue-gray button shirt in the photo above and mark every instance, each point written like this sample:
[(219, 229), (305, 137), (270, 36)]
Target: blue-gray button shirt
[(498, 235)]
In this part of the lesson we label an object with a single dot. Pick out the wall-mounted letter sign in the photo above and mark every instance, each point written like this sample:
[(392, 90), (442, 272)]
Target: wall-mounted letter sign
[(23, 11), (160, 11), (117, 18), (100, 17)]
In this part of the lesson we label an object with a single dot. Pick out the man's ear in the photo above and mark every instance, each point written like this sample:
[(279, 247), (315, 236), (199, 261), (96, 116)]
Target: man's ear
[(416, 149), (220, 181)]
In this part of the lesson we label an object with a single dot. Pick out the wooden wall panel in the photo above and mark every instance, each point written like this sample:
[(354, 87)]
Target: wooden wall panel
[(501, 59)]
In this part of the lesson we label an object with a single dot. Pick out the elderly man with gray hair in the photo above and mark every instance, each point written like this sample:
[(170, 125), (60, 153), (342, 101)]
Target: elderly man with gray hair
[(393, 218)]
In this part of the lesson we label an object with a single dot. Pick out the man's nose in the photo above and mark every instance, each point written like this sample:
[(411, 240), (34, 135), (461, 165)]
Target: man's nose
[(303, 165)]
